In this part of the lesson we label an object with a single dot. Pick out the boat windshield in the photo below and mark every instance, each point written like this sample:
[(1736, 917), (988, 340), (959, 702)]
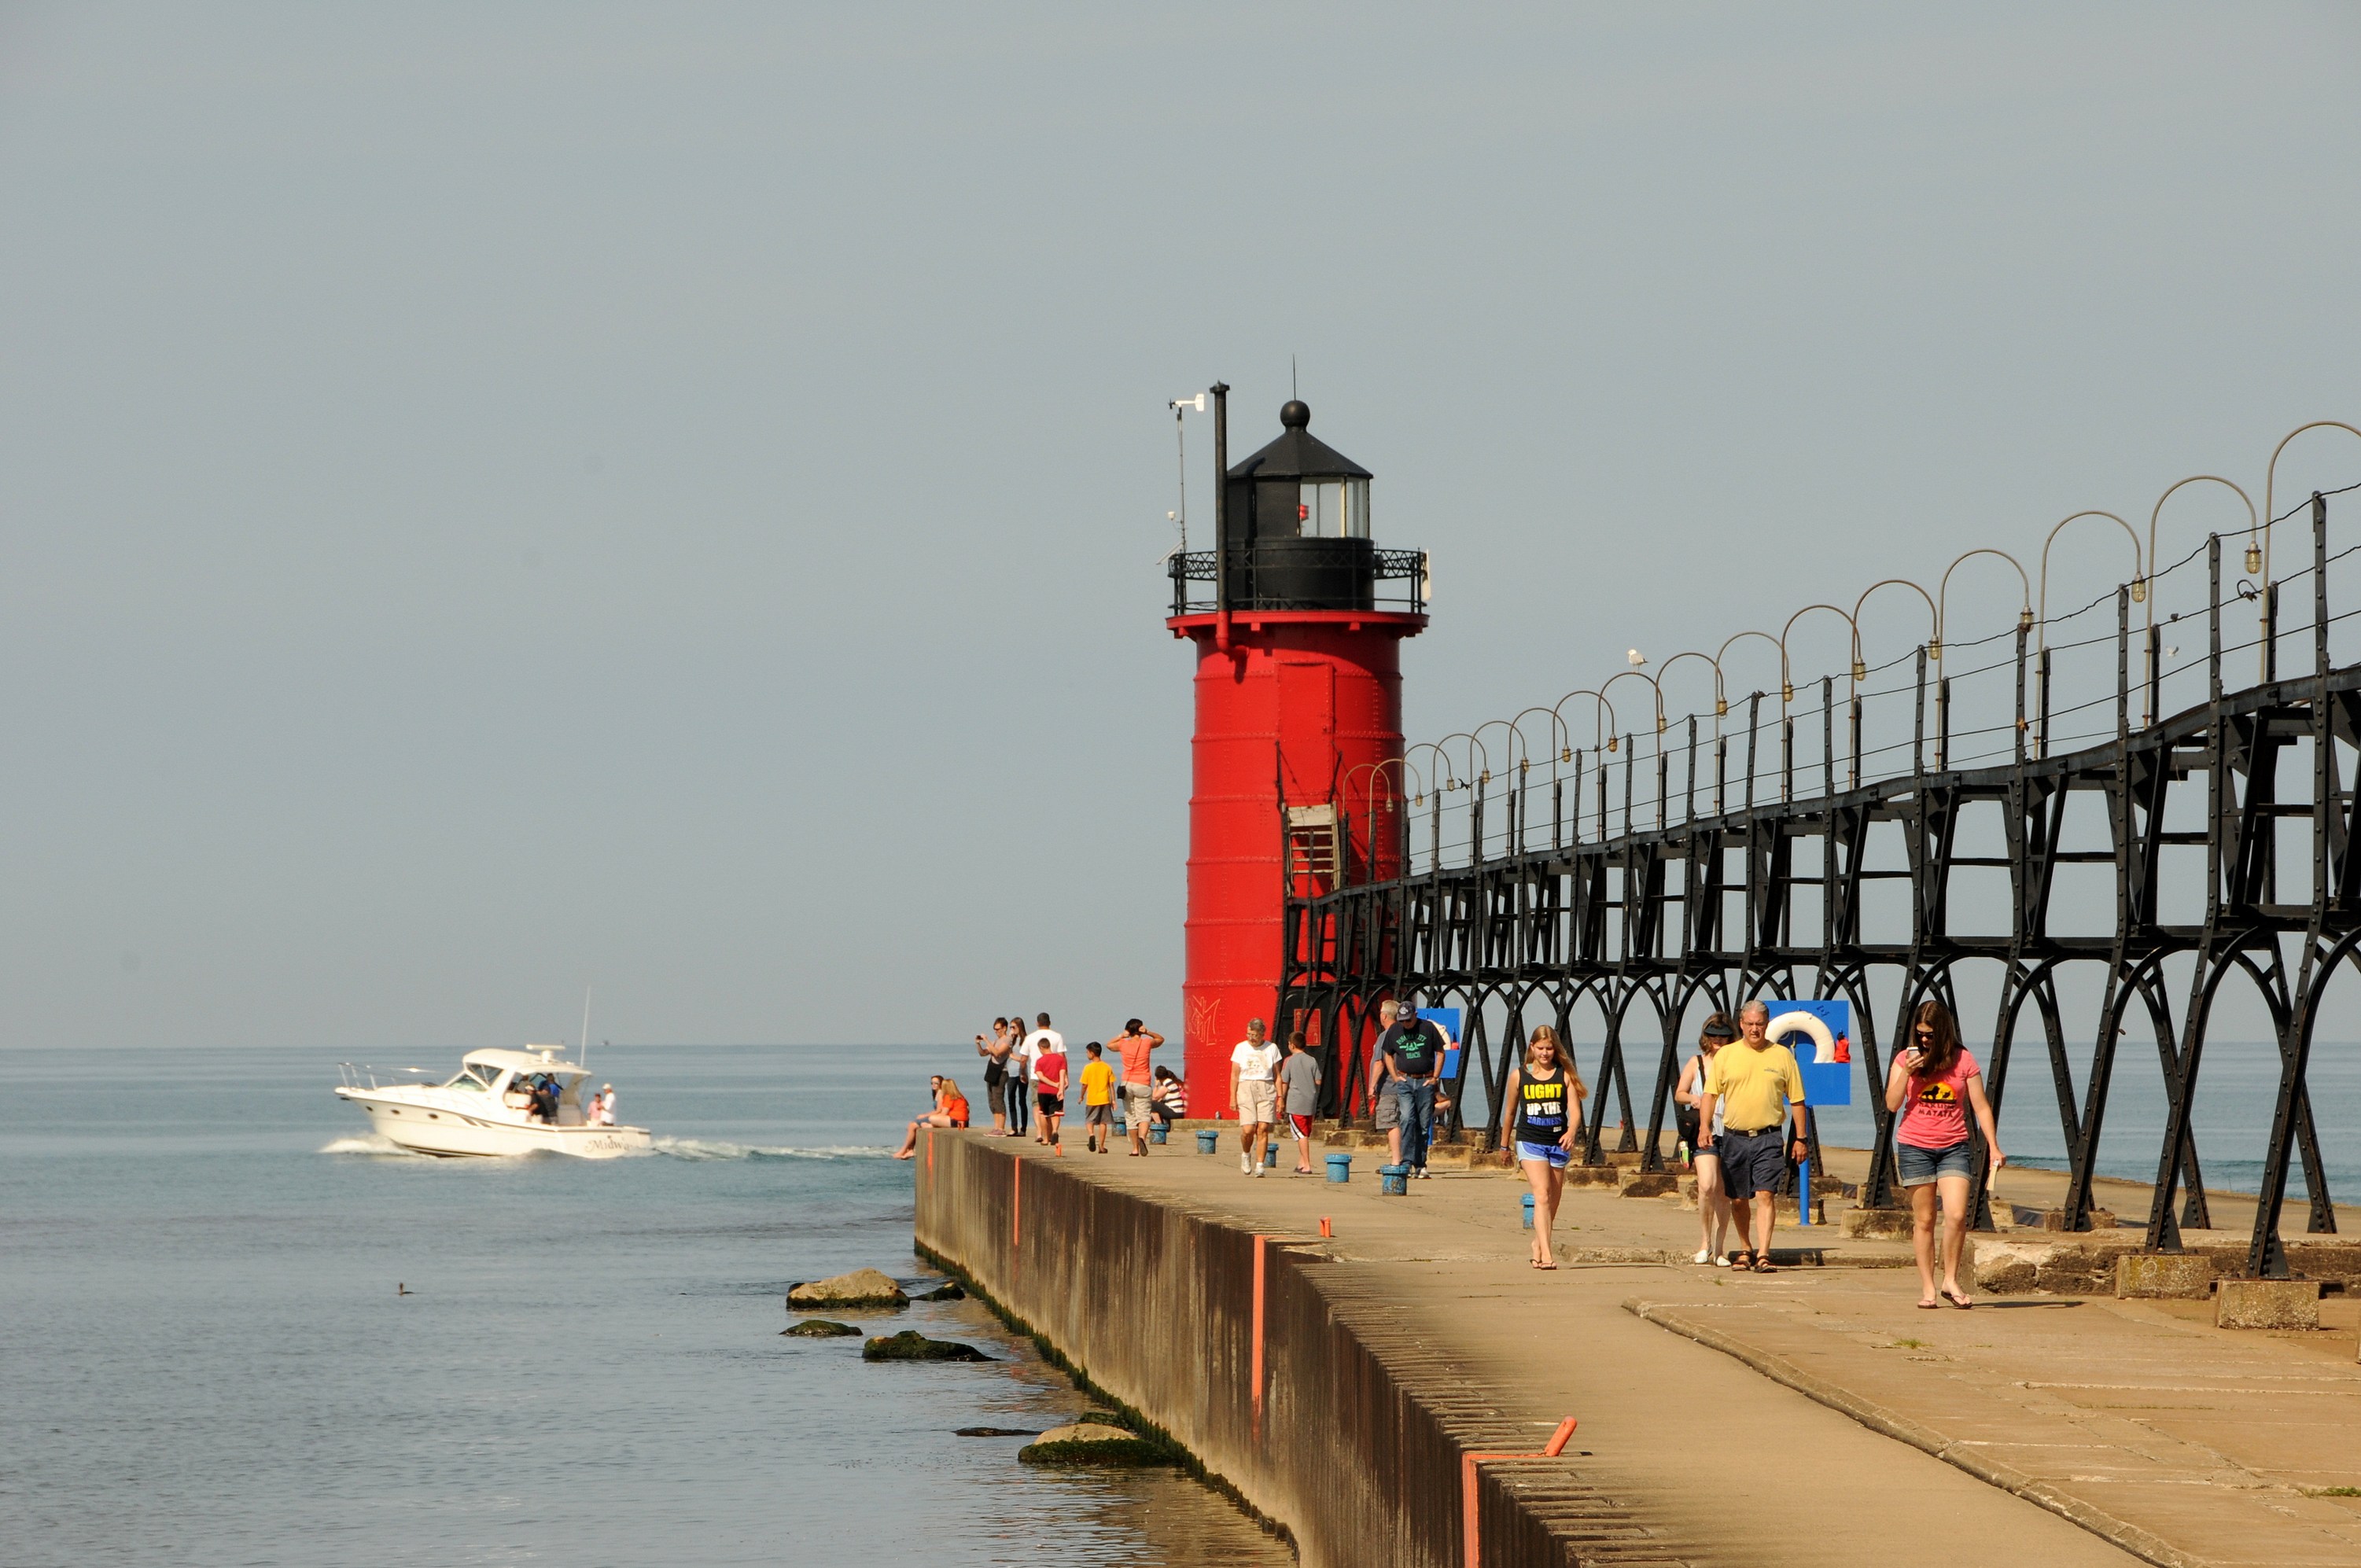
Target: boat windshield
[(475, 1075)]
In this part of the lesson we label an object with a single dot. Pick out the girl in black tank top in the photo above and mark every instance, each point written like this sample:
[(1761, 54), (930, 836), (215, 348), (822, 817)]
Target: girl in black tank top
[(1547, 1094)]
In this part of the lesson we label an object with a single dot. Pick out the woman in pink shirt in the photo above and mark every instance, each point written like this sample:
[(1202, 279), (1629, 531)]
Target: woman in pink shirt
[(1933, 1084)]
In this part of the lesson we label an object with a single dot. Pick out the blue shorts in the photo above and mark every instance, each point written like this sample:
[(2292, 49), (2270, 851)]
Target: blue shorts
[(1752, 1162), (1920, 1167), (1555, 1156)]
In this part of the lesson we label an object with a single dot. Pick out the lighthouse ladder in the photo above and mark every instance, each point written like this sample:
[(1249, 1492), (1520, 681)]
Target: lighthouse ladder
[(1311, 844)]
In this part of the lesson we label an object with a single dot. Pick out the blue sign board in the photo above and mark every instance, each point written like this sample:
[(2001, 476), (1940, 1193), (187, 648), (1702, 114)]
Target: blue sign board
[(1820, 1034), (1447, 1019)]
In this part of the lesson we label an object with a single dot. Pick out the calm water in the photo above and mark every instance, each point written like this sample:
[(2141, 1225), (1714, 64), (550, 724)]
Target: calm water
[(207, 1363), (2237, 1086)]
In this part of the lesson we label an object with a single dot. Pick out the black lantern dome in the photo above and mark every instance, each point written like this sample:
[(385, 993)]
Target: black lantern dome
[(1298, 521)]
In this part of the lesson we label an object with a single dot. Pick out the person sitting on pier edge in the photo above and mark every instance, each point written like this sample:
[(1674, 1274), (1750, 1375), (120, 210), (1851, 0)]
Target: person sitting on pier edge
[(1254, 1090), (950, 1111), (1546, 1094), (1098, 1098), (1932, 1079), (1413, 1048), (1171, 1098), (1299, 1082), (1759, 1089), (1714, 1218), (1133, 1045)]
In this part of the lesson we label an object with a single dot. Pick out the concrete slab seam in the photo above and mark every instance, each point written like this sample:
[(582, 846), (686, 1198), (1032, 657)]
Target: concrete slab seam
[(2130, 1537)]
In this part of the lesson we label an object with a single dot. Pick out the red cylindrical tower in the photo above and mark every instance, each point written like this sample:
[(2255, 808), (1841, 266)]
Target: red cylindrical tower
[(1296, 760)]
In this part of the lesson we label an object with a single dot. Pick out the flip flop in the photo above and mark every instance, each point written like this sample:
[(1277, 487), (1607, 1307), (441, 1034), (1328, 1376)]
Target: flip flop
[(1957, 1299), (1929, 1306)]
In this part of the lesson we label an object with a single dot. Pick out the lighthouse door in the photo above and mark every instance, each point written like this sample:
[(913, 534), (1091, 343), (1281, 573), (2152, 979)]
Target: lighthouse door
[(1307, 730)]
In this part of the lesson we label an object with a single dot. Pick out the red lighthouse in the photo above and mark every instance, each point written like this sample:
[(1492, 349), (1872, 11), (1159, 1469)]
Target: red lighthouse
[(1298, 718)]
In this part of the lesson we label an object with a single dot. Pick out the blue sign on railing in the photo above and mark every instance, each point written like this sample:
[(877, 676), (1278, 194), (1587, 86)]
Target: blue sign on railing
[(1447, 1019), (1820, 1034)]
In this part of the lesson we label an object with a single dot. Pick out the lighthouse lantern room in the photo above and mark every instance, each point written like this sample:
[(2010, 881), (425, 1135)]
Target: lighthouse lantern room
[(1297, 619)]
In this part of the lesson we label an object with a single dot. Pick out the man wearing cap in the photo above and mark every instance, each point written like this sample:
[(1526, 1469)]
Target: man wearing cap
[(1759, 1089), (1411, 1048)]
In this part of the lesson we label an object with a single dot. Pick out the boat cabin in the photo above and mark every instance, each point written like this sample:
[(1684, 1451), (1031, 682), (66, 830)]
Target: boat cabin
[(524, 1081)]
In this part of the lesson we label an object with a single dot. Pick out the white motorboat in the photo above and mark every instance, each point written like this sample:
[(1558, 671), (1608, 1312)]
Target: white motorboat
[(502, 1102)]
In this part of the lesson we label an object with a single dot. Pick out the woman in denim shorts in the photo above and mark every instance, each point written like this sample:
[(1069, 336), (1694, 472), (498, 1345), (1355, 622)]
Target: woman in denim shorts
[(1934, 1083)]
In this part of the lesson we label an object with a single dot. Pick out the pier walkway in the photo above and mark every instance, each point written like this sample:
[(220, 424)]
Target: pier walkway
[(1810, 1417)]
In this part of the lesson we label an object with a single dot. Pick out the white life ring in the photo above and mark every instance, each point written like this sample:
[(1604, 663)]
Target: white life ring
[(1824, 1043)]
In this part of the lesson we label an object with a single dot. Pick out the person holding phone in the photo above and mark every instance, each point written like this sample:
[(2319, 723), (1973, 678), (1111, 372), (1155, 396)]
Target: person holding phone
[(1934, 1083)]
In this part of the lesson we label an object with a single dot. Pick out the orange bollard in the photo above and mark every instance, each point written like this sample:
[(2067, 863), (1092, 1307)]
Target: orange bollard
[(1324, 1231)]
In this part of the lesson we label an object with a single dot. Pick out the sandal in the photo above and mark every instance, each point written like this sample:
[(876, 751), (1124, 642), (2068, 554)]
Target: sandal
[(1745, 1260), (1764, 1265), (1957, 1298)]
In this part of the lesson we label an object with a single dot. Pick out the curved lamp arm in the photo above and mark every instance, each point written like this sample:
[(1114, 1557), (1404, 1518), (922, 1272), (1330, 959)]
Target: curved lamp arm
[(2252, 523), (1608, 684), (1934, 616), (2139, 581), (1786, 682), (1943, 593), (1720, 703), (2270, 482), (1602, 736)]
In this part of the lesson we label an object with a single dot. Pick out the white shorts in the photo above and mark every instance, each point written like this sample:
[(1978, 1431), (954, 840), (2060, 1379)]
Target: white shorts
[(1257, 1102)]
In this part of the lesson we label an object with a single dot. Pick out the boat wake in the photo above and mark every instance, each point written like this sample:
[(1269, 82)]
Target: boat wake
[(717, 1148), (369, 1144)]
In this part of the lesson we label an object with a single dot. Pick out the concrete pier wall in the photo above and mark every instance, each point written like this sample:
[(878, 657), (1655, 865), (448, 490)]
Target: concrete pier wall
[(1355, 1444)]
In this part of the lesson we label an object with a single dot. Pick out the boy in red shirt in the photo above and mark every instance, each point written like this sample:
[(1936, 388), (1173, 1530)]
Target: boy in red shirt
[(1050, 1095)]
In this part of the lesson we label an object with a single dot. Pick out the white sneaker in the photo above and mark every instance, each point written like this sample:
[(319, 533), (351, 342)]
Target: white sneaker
[(1720, 1260), (1702, 1256), (1258, 1170), (1245, 1164)]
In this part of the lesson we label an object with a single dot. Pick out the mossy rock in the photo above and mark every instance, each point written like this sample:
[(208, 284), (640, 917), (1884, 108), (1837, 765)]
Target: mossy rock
[(820, 1328), (997, 1431), (912, 1345), (861, 1287), (947, 1291), (1090, 1443)]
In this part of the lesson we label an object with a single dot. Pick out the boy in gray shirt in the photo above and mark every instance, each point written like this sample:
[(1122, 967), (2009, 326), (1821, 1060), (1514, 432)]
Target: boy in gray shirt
[(1298, 1088)]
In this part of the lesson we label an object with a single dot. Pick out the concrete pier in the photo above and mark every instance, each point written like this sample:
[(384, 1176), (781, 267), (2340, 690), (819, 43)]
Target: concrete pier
[(1379, 1393)]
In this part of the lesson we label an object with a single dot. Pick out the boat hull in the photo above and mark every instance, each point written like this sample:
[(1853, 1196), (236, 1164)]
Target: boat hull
[(440, 1130)]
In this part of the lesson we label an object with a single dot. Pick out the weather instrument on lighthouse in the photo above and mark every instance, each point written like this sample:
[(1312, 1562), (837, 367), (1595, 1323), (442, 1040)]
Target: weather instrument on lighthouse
[(1297, 619)]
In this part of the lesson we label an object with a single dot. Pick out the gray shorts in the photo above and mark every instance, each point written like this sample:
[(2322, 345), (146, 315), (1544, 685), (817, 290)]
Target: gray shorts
[(1098, 1116), (1389, 1109)]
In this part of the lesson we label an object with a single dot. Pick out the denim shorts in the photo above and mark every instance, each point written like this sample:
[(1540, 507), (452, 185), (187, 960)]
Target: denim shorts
[(1556, 1157), (1920, 1167)]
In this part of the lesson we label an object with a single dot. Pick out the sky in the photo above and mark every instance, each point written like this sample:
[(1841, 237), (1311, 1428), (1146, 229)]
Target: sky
[(498, 500)]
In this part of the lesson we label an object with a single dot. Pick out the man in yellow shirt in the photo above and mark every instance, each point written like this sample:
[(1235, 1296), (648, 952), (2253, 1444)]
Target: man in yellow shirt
[(1098, 1098), (1759, 1087)]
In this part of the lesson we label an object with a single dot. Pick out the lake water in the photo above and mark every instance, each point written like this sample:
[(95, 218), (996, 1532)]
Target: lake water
[(208, 1363)]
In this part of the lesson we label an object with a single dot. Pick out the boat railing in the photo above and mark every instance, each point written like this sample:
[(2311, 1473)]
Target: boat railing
[(361, 1075)]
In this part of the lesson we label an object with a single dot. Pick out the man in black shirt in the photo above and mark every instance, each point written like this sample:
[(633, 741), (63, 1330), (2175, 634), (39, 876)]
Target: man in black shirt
[(1410, 1053)]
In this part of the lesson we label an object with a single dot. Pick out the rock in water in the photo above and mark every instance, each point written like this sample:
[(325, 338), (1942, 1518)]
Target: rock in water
[(820, 1328), (947, 1291), (912, 1345), (861, 1287), (997, 1431), (1087, 1442)]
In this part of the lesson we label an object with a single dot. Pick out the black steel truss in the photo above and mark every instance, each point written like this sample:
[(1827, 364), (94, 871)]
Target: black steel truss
[(1644, 923)]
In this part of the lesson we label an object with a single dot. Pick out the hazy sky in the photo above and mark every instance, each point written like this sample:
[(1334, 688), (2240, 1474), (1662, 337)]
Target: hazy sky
[(502, 499)]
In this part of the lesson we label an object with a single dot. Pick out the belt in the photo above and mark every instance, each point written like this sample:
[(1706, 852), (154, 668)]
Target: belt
[(1753, 1132)]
